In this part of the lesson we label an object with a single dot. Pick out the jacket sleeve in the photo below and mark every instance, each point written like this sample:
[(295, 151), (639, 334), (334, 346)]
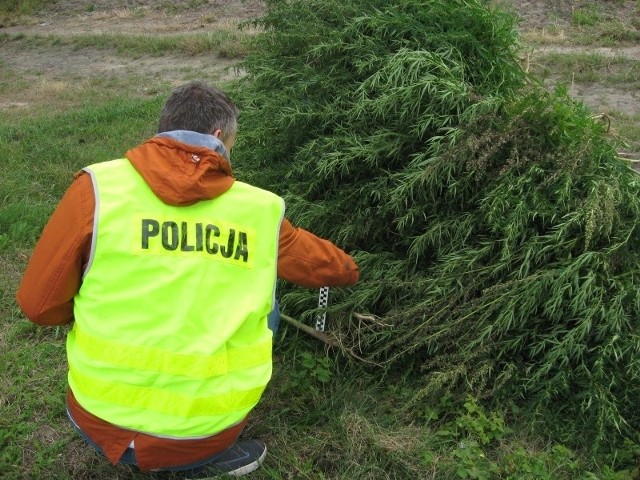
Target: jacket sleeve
[(54, 273), (309, 261)]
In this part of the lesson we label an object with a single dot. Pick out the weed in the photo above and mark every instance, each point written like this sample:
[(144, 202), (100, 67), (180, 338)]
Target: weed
[(197, 3), (228, 44), (21, 7), (170, 8), (626, 129), (138, 12), (313, 371), (586, 17), (607, 33), (589, 68), (477, 202)]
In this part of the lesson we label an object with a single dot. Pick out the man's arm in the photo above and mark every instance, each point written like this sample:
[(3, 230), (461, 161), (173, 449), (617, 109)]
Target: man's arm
[(54, 272), (313, 262)]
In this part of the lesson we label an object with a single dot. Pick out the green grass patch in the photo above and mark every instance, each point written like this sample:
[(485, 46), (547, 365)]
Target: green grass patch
[(227, 44), (25, 97), (11, 81), (590, 68), (41, 156), (592, 30), (606, 34), (626, 127), (22, 7), (173, 8), (586, 17)]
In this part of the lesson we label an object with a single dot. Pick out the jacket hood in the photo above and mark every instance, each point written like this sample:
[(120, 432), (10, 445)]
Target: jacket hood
[(182, 173)]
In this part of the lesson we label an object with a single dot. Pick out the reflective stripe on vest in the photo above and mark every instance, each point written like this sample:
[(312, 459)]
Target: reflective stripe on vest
[(151, 359), (170, 333)]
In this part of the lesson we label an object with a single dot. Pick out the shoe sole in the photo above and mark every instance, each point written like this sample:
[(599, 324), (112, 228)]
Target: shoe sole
[(239, 472), (252, 467)]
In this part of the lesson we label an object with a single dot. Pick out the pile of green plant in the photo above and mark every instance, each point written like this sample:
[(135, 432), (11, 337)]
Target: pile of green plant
[(494, 226)]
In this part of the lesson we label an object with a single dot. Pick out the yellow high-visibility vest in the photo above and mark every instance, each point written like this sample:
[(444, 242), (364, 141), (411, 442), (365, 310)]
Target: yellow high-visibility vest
[(170, 335)]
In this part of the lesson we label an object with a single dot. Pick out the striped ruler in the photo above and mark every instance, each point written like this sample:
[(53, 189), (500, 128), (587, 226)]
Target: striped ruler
[(323, 301)]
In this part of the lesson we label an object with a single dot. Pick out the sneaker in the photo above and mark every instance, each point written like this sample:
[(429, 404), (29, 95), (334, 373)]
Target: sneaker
[(241, 458)]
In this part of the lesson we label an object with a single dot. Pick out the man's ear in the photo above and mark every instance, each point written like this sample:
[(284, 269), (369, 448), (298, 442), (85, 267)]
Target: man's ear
[(217, 133)]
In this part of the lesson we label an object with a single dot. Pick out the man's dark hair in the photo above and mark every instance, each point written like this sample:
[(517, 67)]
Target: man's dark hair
[(199, 107)]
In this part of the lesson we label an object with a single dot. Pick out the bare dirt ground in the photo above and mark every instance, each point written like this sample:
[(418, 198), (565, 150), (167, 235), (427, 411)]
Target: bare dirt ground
[(48, 69)]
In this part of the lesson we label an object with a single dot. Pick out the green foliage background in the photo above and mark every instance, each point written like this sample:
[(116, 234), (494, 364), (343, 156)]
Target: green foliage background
[(495, 227)]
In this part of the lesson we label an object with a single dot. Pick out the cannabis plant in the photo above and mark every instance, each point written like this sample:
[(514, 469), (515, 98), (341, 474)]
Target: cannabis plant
[(494, 226)]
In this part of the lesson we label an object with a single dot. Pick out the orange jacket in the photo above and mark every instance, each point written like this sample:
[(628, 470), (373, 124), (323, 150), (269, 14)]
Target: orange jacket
[(179, 174)]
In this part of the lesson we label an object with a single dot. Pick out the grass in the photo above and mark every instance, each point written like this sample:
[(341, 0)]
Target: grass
[(227, 44), (21, 7), (322, 417), (609, 34), (626, 128), (587, 67), (13, 11), (586, 17), (592, 25), (26, 97)]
